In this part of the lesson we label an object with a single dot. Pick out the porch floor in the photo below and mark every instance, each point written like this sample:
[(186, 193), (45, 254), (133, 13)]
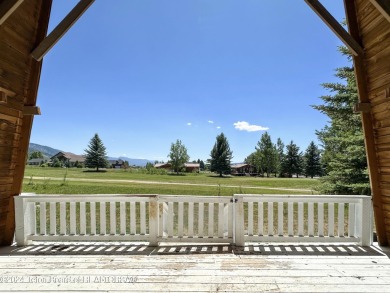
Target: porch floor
[(136, 267)]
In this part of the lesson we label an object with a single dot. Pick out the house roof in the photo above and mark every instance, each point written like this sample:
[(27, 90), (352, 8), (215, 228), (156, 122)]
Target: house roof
[(240, 165), (70, 156), (192, 165), (162, 165)]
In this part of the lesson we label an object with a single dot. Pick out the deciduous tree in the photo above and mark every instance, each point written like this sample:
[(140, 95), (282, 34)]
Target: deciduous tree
[(178, 155)]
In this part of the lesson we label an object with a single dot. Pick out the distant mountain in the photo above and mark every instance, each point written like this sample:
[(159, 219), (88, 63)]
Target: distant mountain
[(133, 162), (49, 152), (45, 150)]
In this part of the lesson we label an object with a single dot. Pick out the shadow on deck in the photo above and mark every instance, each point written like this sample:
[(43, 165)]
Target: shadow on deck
[(194, 249)]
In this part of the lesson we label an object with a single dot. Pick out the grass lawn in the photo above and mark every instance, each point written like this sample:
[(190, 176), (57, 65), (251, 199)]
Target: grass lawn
[(64, 181)]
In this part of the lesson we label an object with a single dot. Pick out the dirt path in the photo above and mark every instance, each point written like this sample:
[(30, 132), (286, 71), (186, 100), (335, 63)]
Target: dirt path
[(165, 183)]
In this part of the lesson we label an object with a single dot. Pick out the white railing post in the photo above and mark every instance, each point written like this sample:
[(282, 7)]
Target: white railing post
[(366, 221), (239, 220), (23, 219), (153, 221)]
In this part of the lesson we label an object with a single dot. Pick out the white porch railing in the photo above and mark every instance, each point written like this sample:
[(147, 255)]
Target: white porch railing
[(196, 219), (86, 218), (202, 219), (303, 218)]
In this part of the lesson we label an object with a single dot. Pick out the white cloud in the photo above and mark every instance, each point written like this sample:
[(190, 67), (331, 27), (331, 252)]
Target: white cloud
[(210, 121), (189, 123), (245, 126), (218, 127)]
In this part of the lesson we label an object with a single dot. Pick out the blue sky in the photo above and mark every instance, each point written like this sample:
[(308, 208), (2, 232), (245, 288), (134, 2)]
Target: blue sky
[(143, 73)]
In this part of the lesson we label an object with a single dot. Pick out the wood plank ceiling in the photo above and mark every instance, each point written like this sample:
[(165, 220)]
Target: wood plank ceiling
[(23, 27)]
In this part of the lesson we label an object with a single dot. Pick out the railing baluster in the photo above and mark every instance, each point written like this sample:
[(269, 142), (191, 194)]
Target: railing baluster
[(270, 219), (310, 219), (133, 229), (290, 219), (201, 221), (221, 219), (280, 218), (72, 218), (211, 220), (83, 226), (300, 219), (190, 219), (63, 218), (33, 214), (122, 217), (92, 212), (331, 219), (103, 228), (260, 218), (171, 213), (53, 219), (229, 219), (42, 218), (320, 219), (351, 220), (180, 219), (112, 218), (250, 218), (143, 218), (340, 220)]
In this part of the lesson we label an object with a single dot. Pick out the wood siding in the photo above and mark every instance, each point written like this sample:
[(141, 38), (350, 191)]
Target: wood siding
[(19, 78), (374, 31)]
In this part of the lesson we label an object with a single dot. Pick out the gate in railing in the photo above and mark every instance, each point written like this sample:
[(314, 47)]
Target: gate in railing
[(201, 219)]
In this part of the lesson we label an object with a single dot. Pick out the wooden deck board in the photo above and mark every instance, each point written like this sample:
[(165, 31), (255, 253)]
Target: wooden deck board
[(102, 267)]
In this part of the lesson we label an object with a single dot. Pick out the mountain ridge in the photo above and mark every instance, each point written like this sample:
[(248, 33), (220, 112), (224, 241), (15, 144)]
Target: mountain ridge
[(50, 152)]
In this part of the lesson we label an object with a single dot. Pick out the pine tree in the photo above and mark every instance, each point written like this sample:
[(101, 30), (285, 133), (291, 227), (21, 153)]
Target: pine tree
[(266, 153), (178, 155), (292, 162), (280, 156), (342, 140), (95, 155), (312, 161), (221, 155)]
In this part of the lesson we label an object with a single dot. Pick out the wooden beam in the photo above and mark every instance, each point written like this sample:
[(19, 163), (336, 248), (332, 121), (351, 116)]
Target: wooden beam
[(336, 27), (31, 110), (31, 96), (383, 6), (7, 7), (3, 98), (362, 108), (368, 127), (44, 47)]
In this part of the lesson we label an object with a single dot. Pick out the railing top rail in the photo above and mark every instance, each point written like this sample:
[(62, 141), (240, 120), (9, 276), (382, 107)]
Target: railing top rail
[(194, 198), (303, 198), (86, 197)]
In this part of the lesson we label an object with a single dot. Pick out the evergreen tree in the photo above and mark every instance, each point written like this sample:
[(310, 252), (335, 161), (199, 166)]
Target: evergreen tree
[(292, 163), (312, 161), (95, 155), (266, 153), (342, 140), (178, 156), (221, 155), (280, 156)]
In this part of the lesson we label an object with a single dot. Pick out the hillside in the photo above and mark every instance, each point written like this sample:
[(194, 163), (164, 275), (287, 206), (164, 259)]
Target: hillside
[(45, 150)]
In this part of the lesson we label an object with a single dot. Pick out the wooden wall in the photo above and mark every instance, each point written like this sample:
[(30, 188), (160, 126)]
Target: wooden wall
[(19, 79), (374, 30)]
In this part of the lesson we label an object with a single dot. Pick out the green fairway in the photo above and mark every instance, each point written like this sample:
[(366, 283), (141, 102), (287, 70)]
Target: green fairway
[(78, 181)]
